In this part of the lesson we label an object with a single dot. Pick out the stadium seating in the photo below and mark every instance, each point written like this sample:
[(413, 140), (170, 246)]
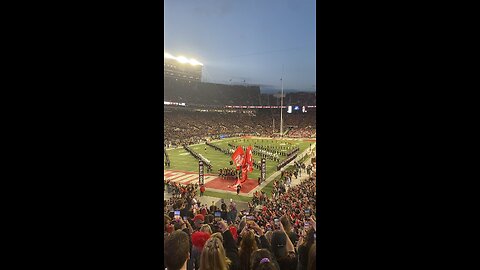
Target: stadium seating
[(189, 127)]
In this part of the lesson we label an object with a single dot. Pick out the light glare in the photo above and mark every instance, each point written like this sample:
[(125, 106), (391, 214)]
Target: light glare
[(183, 60)]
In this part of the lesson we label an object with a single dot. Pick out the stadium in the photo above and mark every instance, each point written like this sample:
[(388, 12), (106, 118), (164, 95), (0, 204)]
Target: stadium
[(233, 156)]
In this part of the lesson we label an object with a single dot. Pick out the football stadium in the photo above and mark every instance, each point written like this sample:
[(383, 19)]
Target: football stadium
[(240, 159), (234, 156)]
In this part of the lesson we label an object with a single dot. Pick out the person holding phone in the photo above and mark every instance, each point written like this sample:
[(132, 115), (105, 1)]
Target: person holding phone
[(285, 221), (307, 239), (264, 243), (176, 215), (283, 250)]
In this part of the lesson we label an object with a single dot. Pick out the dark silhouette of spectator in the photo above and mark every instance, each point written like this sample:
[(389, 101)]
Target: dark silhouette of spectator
[(213, 207), (312, 257), (176, 251), (283, 250), (288, 228), (304, 244)]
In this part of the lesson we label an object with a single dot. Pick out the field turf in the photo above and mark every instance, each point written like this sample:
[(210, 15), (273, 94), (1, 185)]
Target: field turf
[(182, 160)]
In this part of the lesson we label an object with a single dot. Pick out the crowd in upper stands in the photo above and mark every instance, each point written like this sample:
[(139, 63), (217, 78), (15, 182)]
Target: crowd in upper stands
[(276, 232), (189, 127), (302, 132)]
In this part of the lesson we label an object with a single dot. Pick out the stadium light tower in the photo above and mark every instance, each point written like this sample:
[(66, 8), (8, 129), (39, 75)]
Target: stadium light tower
[(281, 110)]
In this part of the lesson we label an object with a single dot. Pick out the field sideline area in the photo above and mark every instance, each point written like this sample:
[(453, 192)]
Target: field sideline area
[(184, 167)]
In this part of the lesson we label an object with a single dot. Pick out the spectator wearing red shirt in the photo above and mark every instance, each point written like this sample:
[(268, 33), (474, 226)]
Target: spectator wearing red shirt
[(202, 190), (203, 211)]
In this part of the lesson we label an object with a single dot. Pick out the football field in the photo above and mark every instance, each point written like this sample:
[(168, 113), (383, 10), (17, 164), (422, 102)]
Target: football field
[(184, 167), (181, 160)]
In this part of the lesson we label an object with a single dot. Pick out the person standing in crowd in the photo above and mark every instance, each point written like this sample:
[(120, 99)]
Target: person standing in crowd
[(248, 245), (283, 250), (198, 221), (213, 207), (199, 238), (263, 259), (287, 224), (202, 190), (312, 257), (176, 250), (220, 252), (203, 210), (303, 247), (223, 207)]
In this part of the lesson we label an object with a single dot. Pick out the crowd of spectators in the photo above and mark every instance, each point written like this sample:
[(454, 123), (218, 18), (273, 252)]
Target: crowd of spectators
[(192, 127), (307, 132), (180, 191), (274, 232)]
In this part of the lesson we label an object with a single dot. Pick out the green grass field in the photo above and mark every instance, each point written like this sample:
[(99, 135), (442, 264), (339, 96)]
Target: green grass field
[(182, 160)]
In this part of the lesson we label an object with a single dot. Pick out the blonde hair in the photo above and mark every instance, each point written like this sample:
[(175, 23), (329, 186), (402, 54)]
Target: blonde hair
[(206, 228), (218, 235), (213, 256), (247, 246)]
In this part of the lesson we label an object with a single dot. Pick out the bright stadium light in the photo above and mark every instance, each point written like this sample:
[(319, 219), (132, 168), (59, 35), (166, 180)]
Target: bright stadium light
[(182, 59)]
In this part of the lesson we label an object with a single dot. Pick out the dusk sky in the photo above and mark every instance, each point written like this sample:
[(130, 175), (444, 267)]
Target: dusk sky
[(246, 40)]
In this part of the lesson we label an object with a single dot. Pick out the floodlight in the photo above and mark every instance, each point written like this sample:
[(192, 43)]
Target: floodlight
[(182, 59)]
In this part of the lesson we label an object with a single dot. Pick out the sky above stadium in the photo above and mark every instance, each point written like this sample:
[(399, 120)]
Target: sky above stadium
[(251, 40)]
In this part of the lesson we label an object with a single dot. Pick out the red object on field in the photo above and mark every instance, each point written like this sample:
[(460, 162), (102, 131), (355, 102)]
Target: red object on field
[(249, 159), (244, 174), (238, 157)]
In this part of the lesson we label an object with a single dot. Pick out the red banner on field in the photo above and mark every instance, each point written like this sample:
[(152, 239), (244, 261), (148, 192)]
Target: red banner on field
[(244, 174), (238, 157)]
